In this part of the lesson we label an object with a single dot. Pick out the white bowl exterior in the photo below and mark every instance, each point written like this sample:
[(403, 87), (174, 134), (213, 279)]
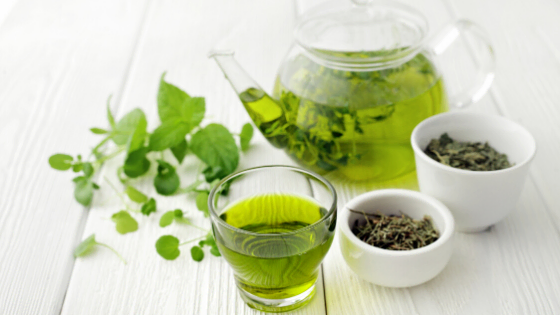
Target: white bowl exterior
[(394, 271), (476, 199), (397, 268), (476, 202)]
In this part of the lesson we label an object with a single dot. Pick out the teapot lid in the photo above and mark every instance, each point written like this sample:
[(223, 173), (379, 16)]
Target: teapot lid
[(361, 32)]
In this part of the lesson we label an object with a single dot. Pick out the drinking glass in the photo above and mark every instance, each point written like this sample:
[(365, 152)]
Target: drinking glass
[(274, 225)]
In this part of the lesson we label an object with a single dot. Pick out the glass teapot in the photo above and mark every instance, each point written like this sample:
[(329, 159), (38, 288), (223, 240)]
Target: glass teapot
[(358, 79)]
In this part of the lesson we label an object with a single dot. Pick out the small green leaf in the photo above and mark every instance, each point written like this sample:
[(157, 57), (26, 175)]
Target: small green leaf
[(180, 151), (61, 162), (167, 247), (110, 117), (88, 169), (85, 246), (88, 244), (178, 213), (127, 126), (138, 138), (148, 207), (168, 135), (136, 163), (215, 251), (135, 195), (196, 253), (202, 202), (166, 219), (215, 146), (245, 136), (98, 131), (213, 174), (95, 186), (166, 181), (125, 222), (83, 191), (174, 105), (76, 167)]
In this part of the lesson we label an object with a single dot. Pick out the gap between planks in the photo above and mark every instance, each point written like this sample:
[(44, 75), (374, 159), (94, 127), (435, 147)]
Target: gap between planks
[(118, 100)]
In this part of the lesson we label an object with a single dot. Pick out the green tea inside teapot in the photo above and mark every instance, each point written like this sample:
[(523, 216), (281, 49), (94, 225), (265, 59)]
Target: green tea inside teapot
[(357, 81)]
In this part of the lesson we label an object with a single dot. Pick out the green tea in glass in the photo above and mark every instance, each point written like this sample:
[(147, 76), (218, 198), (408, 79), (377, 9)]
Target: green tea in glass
[(274, 227)]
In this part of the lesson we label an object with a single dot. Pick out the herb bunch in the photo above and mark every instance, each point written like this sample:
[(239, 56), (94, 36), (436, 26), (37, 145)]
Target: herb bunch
[(180, 132), (395, 232)]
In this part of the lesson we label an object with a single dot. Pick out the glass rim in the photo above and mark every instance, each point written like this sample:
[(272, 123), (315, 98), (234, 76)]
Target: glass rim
[(216, 218)]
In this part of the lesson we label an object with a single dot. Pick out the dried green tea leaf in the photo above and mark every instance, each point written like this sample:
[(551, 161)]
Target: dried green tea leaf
[(474, 156)]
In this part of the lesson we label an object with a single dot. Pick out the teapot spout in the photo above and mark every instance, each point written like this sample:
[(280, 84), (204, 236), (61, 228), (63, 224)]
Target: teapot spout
[(265, 112)]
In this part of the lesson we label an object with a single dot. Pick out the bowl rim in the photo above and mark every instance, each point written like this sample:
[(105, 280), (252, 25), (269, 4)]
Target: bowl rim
[(420, 153), (441, 209)]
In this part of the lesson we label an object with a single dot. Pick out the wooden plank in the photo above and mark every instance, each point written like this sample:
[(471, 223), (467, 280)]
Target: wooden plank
[(507, 270), (177, 38), (60, 60), (527, 41)]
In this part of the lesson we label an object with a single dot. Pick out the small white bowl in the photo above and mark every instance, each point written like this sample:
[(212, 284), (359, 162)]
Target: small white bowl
[(396, 268), (477, 199)]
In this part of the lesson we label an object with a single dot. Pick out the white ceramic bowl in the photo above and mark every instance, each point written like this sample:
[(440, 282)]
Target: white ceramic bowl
[(476, 199), (396, 268)]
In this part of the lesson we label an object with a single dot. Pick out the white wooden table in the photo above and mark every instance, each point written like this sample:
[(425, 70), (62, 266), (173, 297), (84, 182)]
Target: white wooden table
[(60, 59)]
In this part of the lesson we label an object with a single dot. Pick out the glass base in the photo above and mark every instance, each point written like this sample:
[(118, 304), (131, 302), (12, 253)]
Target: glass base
[(277, 305)]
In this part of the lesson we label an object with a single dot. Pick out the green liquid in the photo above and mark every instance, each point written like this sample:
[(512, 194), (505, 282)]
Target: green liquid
[(275, 266), (355, 123)]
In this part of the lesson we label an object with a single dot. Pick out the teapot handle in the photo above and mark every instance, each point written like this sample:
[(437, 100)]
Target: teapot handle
[(478, 46)]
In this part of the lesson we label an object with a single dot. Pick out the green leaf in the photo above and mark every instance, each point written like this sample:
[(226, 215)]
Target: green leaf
[(136, 163), (98, 131), (196, 253), (215, 251), (61, 162), (180, 150), (212, 174), (202, 202), (125, 222), (167, 247), (215, 146), (135, 195), (88, 244), (126, 127), (245, 136), (138, 137), (88, 169), (148, 207), (167, 218), (85, 246), (173, 215), (177, 106), (110, 117), (166, 181), (168, 135), (83, 191), (76, 167)]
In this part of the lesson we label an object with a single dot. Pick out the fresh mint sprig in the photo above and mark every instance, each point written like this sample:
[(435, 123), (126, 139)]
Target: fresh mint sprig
[(180, 132)]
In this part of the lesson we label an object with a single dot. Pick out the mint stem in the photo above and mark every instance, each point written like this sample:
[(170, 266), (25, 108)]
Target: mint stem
[(110, 156), (119, 194), (198, 227), (97, 147), (194, 239), (113, 250)]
